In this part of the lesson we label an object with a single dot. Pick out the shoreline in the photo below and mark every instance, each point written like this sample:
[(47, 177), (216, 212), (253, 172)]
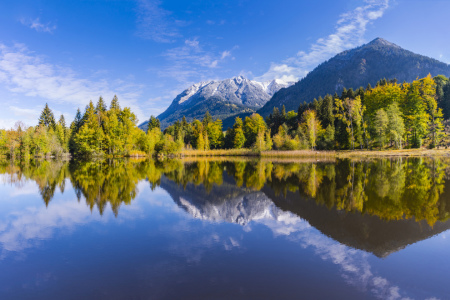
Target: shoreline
[(276, 154), (318, 153)]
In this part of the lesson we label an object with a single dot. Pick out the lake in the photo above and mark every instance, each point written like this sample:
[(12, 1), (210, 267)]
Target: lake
[(225, 229)]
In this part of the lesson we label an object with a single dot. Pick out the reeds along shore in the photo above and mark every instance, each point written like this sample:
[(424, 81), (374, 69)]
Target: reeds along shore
[(316, 154)]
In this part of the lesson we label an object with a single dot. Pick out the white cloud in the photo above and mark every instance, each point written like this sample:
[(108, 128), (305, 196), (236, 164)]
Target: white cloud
[(37, 25), (27, 113), (225, 54), (155, 23), (191, 63), (24, 73), (22, 230), (349, 33)]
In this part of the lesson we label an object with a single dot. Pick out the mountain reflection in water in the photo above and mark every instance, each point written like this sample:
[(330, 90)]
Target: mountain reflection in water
[(392, 190), (378, 206)]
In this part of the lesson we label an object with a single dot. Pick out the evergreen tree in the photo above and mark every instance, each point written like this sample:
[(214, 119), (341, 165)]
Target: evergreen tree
[(101, 106), (154, 123), (115, 104), (62, 121), (207, 119), (47, 119)]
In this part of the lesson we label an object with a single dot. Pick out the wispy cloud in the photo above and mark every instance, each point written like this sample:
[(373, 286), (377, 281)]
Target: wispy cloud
[(37, 25), (24, 73), (155, 23), (192, 62), (349, 32)]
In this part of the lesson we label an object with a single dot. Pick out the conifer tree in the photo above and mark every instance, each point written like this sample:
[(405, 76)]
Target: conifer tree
[(47, 119), (207, 119), (153, 123), (101, 106), (115, 104)]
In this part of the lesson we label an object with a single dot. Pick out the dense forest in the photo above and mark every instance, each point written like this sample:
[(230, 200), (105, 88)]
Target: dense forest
[(387, 116)]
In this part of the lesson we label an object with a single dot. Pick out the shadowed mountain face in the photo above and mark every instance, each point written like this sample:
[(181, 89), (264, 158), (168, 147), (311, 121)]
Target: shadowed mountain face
[(221, 98), (355, 68)]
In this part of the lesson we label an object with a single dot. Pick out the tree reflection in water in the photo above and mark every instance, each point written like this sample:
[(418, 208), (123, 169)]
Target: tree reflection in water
[(391, 189)]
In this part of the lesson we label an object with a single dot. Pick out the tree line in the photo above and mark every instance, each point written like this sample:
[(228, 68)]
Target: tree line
[(387, 116), (99, 131)]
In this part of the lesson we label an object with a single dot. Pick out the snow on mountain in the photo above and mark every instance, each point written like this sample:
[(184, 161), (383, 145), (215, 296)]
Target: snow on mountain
[(221, 98), (239, 90)]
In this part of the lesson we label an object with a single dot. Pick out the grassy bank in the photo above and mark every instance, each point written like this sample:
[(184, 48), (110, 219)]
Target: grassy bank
[(393, 153), (316, 154), (220, 152)]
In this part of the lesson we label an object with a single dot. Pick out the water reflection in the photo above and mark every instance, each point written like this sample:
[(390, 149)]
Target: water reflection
[(378, 206), (394, 189)]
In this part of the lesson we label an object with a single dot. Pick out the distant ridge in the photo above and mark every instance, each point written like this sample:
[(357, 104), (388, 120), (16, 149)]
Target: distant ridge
[(355, 68)]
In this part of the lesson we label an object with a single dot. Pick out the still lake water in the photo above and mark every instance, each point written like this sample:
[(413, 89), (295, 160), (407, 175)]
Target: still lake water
[(225, 229)]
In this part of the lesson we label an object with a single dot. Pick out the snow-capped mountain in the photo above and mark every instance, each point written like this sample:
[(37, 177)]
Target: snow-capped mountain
[(222, 99)]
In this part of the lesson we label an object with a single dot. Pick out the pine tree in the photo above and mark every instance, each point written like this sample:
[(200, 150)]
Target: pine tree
[(207, 119), (78, 121), (153, 123), (115, 104), (62, 121), (101, 106), (47, 119)]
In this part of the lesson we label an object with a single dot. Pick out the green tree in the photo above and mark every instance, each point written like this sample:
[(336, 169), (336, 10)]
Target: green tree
[(154, 123), (252, 126), (215, 134), (395, 126), (47, 119), (381, 122), (238, 134), (312, 127)]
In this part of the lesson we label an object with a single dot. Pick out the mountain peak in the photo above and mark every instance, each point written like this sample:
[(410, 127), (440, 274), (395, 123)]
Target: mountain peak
[(221, 98), (382, 42), (355, 68)]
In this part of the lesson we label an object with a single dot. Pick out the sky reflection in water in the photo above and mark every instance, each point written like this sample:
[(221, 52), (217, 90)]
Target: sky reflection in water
[(225, 229)]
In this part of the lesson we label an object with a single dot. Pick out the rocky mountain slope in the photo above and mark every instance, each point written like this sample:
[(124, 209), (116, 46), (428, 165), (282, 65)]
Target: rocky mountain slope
[(221, 98), (355, 68)]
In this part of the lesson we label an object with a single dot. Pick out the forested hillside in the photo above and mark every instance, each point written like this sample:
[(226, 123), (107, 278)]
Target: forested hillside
[(354, 69)]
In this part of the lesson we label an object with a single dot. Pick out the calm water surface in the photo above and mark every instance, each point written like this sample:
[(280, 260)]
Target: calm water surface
[(215, 229)]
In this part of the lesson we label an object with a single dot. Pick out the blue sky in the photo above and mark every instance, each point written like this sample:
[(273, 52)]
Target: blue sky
[(69, 52)]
